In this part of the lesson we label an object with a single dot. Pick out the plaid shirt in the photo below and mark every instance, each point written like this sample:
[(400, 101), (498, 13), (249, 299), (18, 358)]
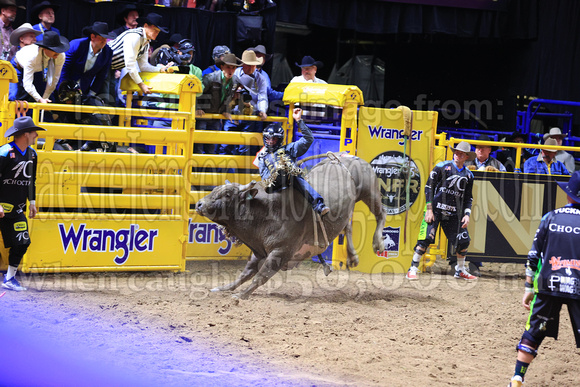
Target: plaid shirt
[(7, 50)]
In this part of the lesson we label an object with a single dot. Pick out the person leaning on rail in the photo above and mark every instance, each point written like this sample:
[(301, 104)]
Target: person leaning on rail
[(483, 161), (131, 50), (546, 162), (38, 67), (552, 278)]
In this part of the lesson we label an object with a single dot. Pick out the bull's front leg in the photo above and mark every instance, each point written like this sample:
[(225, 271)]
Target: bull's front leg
[(249, 271), (271, 266)]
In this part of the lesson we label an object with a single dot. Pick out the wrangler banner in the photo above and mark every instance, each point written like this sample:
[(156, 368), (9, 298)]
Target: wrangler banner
[(402, 167)]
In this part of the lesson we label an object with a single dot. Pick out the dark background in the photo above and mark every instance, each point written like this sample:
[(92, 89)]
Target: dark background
[(499, 52)]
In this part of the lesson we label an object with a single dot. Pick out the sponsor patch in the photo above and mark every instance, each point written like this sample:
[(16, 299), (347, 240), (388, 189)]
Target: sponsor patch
[(20, 226), (7, 207), (390, 242)]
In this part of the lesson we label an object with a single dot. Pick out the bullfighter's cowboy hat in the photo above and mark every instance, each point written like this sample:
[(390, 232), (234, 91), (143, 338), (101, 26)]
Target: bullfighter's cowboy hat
[(10, 3), (228, 59), (54, 42), (120, 18), (466, 148), (250, 58), (22, 125), (308, 61), (38, 8), (99, 28), (153, 19), (260, 49), (23, 29), (572, 186), (485, 137), (553, 133)]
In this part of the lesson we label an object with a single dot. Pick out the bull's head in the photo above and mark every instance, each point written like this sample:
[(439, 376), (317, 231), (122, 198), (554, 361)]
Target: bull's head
[(227, 201)]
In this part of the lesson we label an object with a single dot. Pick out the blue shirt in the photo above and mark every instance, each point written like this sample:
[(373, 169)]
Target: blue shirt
[(537, 165), (40, 27)]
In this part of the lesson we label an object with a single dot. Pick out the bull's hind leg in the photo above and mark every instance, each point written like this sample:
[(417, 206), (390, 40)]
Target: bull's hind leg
[(351, 255), (271, 266), (249, 271), (375, 205)]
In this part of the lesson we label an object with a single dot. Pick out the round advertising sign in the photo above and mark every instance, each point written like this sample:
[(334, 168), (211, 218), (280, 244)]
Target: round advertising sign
[(393, 169)]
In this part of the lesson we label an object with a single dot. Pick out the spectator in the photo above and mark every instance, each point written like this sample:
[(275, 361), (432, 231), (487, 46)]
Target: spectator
[(507, 156), (131, 50), (552, 278), (252, 98), (88, 60), (561, 155), (46, 55), (24, 36), (8, 9), (483, 161), (18, 163), (546, 162), (218, 92), (309, 67), (449, 197), (273, 95), (45, 11), (127, 18), (217, 53)]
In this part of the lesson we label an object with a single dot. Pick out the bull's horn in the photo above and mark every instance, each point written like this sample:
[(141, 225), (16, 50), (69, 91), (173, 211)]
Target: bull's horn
[(250, 185), (228, 182), (408, 118)]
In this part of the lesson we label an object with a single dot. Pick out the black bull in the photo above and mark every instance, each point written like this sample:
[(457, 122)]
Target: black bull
[(281, 228)]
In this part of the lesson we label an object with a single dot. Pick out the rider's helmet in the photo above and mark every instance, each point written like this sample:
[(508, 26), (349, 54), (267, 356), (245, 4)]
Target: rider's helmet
[(218, 51), (273, 136), (186, 47)]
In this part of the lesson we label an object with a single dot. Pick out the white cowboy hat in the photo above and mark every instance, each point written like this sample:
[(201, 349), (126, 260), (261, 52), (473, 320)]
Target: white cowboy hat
[(554, 132), (466, 148)]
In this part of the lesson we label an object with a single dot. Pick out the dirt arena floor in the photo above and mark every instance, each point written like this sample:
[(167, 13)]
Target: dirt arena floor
[(300, 329)]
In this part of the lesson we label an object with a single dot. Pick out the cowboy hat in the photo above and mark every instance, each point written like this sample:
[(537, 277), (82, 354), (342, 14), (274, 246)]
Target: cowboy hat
[(485, 137), (308, 61), (54, 42), (98, 28), (228, 59), (120, 18), (38, 8), (466, 148), (554, 132), (10, 3), (550, 142), (247, 83), (22, 125), (23, 29), (250, 58), (175, 38), (260, 49), (153, 19), (572, 186), (515, 135)]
